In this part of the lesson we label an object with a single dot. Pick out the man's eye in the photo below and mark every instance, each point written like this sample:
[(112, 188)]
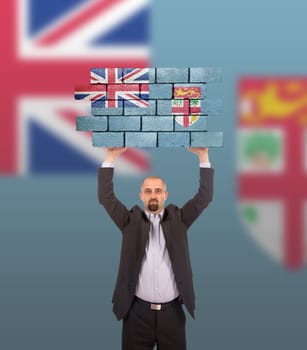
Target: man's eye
[(147, 191), (158, 191)]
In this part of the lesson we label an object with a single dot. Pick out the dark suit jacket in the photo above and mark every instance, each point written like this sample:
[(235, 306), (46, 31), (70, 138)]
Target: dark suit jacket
[(134, 226)]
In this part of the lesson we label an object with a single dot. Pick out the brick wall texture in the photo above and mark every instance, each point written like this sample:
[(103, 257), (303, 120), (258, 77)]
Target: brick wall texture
[(150, 107)]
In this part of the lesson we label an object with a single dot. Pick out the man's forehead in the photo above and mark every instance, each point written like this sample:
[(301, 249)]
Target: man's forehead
[(153, 183)]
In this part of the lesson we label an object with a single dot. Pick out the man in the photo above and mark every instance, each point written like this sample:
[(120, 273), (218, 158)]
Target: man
[(155, 275)]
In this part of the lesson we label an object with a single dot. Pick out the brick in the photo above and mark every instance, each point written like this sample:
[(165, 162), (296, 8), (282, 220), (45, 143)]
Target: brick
[(214, 122), (141, 139), (152, 75), (164, 107), (173, 139), (107, 111), (144, 92), (108, 139), (185, 94), (199, 125), (96, 72), (100, 103), (150, 110), (157, 123), (159, 91), (182, 106), (131, 123), (206, 139), (172, 75), (92, 123), (90, 92), (112, 90), (211, 107), (205, 75), (143, 76)]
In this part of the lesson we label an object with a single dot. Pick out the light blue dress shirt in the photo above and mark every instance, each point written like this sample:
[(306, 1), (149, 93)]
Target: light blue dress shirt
[(156, 281)]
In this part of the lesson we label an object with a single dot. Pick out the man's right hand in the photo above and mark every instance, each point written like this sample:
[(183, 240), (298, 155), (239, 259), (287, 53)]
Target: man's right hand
[(112, 153)]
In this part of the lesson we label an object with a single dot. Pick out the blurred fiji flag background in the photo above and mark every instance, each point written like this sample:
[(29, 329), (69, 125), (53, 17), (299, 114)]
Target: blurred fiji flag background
[(47, 48), (272, 148)]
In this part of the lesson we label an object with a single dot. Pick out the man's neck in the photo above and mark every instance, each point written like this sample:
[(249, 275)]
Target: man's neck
[(155, 213)]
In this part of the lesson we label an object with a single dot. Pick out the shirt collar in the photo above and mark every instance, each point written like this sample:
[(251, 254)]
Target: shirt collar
[(160, 214)]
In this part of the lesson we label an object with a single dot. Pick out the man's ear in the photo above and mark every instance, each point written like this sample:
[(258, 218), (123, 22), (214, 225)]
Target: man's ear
[(141, 196), (166, 195)]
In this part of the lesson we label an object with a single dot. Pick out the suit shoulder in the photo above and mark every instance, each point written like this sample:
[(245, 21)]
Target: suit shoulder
[(136, 211), (172, 208)]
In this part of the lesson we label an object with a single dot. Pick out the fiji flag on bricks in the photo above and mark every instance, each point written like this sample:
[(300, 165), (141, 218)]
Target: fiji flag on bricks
[(45, 48), (186, 103), (150, 107)]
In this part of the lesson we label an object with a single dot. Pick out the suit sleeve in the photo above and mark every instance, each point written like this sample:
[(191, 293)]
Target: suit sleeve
[(114, 207), (195, 206)]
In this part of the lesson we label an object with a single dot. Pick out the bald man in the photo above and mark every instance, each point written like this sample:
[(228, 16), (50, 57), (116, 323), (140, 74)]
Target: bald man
[(155, 275)]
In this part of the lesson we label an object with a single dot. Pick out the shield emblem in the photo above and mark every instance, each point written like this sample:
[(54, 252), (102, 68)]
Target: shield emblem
[(272, 165), (186, 105), (186, 120)]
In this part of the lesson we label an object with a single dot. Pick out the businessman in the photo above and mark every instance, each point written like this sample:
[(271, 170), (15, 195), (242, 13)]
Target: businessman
[(155, 276)]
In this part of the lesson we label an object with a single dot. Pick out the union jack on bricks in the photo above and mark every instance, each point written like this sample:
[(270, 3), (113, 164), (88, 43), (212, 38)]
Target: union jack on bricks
[(122, 85)]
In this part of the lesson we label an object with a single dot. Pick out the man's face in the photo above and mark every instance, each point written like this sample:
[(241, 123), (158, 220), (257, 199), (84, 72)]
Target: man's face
[(153, 194)]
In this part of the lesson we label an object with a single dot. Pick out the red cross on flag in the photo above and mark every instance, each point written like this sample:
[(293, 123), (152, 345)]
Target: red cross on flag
[(186, 106)]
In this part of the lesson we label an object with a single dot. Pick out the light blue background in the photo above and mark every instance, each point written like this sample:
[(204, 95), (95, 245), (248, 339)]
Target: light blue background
[(59, 250)]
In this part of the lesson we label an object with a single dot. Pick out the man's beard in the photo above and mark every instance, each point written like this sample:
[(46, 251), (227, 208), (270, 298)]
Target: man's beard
[(153, 205)]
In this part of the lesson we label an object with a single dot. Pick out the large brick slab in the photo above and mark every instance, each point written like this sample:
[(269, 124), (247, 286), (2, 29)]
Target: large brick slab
[(152, 107)]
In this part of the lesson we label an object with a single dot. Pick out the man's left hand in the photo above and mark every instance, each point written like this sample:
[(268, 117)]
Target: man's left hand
[(202, 152)]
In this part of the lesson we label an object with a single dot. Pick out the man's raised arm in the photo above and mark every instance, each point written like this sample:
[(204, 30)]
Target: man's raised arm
[(194, 207), (114, 207)]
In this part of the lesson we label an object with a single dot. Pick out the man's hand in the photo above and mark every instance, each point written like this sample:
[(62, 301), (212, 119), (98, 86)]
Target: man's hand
[(112, 153), (203, 153)]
